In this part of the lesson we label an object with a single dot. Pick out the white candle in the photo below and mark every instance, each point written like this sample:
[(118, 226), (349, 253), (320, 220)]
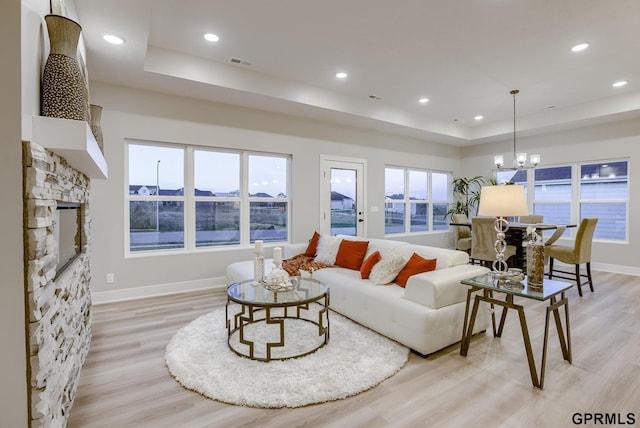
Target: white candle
[(259, 246), (277, 255)]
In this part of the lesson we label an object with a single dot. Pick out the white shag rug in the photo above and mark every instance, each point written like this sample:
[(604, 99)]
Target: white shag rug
[(355, 359)]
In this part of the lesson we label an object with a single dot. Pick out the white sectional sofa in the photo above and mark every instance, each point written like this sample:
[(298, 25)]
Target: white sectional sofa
[(426, 316)]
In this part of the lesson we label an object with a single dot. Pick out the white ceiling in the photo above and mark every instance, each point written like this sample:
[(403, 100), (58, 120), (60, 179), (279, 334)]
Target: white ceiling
[(464, 55)]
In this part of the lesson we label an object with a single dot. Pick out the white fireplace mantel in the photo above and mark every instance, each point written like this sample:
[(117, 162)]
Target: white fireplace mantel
[(72, 140)]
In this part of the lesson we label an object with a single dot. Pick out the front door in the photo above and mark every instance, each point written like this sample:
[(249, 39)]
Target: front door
[(342, 197)]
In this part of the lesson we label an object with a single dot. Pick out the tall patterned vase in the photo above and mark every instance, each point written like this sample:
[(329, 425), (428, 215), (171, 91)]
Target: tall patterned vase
[(535, 265), (63, 87), (96, 129)]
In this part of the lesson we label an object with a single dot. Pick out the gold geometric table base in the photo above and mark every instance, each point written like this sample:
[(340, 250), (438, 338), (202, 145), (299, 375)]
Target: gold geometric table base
[(246, 317), (564, 332)]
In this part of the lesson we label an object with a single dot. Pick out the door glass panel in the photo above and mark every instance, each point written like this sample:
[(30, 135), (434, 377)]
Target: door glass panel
[(343, 202)]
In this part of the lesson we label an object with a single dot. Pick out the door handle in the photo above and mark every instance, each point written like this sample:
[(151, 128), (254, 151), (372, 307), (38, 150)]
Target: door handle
[(360, 220)]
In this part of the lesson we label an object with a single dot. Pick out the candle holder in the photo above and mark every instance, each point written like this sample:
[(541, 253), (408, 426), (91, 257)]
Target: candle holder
[(258, 268)]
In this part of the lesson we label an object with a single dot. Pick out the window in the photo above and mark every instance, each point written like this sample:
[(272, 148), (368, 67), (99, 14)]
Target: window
[(394, 212), (408, 193), (156, 197), (604, 193), (269, 213), (217, 198), (184, 197), (566, 194), (440, 197), (552, 194), (418, 201)]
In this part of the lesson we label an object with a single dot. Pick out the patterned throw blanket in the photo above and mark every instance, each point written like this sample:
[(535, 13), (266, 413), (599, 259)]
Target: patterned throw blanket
[(295, 264)]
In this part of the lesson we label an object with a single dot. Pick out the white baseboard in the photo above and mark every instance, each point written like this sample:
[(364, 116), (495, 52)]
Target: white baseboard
[(220, 282), (156, 290), (625, 270), (602, 267)]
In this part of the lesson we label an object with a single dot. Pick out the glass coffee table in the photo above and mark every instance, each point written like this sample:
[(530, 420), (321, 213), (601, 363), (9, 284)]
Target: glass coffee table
[(552, 291), (256, 318)]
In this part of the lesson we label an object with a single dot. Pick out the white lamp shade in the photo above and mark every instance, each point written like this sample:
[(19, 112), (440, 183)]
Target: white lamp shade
[(498, 161), (503, 201)]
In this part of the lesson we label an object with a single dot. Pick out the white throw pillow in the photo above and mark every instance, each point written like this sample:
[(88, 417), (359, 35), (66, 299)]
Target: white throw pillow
[(327, 249), (387, 269)]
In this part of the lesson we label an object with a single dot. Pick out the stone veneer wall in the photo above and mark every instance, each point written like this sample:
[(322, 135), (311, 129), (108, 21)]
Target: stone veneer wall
[(58, 307)]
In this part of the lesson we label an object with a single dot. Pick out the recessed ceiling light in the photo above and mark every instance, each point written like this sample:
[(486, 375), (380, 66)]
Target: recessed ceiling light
[(619, 84), (341, 75), (479, 117), (579, 47), (211, 37), (113, 39), (423, 100)]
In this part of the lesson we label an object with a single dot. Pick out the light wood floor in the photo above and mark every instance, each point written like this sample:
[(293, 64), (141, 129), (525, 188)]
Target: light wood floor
[(125, 382)]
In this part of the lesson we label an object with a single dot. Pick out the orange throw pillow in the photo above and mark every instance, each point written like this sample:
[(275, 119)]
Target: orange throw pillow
[(351, 253), (415, 265), (313, 245), (367, 265)]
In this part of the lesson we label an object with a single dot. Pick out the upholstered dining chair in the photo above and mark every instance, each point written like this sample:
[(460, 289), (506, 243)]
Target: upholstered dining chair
[(463, 233), (483, 241), (531, 219), (577, 255)]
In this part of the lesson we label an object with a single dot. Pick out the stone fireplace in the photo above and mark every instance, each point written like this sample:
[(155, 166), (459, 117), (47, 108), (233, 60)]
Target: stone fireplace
[(57, 282)]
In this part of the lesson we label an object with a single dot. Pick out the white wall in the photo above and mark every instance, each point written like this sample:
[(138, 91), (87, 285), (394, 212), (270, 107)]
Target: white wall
[(13, 391), (151, 116), (593, 143)]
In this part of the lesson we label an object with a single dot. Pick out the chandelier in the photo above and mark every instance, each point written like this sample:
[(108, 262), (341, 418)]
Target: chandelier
[(519, 159)]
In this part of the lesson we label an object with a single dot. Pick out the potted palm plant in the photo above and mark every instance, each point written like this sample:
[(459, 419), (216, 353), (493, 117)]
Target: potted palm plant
[(466, 192)]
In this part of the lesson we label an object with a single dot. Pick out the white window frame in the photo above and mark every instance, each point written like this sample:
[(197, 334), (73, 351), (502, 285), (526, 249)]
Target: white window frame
[(624, 201), (429, 201), (576, 200), (189, 200)]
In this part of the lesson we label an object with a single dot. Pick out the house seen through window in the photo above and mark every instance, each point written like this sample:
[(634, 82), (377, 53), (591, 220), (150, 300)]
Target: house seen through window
[(184, 197), (415, 200), (566, 194)]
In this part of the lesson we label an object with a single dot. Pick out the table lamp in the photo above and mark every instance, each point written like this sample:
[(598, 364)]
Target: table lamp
[(502, 201)]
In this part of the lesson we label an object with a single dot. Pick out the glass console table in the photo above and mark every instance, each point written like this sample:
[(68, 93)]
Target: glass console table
[(551, 291)]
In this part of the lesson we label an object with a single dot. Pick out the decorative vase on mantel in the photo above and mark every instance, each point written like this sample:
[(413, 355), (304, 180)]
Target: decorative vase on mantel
[(63, 87), (96, 129)]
